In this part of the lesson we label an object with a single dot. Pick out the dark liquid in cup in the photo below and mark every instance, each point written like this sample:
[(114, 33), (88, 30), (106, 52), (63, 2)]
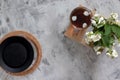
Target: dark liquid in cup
[(15, 55), (80, 17)]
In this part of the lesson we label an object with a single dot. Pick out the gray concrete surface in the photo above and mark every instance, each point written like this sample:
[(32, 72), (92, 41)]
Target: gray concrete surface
[(63, 59)]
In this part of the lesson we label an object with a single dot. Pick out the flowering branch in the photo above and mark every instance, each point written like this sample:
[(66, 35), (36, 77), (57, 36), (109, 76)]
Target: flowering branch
[(105, 32)]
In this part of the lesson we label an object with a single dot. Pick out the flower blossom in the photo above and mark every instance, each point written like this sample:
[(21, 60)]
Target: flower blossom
[(114, 15)]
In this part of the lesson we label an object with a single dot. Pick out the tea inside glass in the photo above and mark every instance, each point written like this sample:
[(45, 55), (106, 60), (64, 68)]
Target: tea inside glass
[(80, 17)]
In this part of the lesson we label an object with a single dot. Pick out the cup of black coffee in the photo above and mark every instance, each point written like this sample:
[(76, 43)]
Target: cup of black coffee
[(20, 53)]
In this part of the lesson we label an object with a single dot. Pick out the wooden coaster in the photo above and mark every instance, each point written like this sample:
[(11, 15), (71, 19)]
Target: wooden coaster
[(75, 30), (74, 35), (31, 38)]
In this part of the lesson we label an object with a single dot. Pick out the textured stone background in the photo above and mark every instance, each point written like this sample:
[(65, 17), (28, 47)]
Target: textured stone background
[(62, 59)]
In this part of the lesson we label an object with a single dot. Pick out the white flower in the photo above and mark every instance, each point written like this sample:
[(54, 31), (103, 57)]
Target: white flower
[(91, 37), (89, 33), (97, 49), (114, 44), (101, 20), (96, 37), (114, 15), (112, 53), (98, 53), (117, 22), (108, 54), (93, 22)]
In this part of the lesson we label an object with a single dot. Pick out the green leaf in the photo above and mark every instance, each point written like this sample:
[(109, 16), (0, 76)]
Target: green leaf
[(116, 30), (112, 40), (106, 40), (107, 29)]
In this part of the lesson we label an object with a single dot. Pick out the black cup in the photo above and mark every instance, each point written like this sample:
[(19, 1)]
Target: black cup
[(16, 54), (17, 50)]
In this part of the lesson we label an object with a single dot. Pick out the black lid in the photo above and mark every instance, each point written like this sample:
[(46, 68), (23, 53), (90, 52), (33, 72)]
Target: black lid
[(16, 54)]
